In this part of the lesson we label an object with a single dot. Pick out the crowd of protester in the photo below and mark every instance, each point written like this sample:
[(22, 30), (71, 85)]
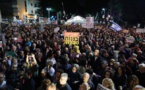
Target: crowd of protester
[(41, 61)]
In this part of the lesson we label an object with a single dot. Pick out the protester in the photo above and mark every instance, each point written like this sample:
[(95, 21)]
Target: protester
[(28, 58), (108, 83), (51, 87), (63, 85)]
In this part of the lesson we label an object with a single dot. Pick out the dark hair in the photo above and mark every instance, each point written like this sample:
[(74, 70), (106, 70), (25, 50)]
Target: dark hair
[(60, 71), (111, 73), (123, 70)]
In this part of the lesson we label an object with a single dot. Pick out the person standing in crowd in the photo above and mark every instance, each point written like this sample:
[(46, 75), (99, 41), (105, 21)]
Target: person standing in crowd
[(44, 55), (86, 79), (84, 86), (29, 83), (132, 82), (3, 83), (138, 87), (108, 83), (50, 71), (120, 78), (140, 73), (45, 84), (63, 85), (51, 87), (74, 77)]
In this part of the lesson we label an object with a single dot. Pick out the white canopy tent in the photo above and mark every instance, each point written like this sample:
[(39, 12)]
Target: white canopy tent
[(76, 20)]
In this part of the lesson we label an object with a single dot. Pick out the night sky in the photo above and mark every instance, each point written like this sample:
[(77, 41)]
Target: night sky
[(79, 7), (131, 10)]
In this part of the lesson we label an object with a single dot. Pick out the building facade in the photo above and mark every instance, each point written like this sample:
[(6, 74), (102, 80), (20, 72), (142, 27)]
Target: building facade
[(8, 8), (23, 9)]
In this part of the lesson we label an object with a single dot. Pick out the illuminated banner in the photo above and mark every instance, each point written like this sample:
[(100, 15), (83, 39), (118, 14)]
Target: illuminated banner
[(71, 38), (89, 23), (139, 30)]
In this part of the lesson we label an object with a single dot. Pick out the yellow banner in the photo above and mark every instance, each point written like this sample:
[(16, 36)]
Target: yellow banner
[(71, 38)]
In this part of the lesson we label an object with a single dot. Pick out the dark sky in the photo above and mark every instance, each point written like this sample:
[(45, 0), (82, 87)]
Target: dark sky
[(80, 7), (131, 10)]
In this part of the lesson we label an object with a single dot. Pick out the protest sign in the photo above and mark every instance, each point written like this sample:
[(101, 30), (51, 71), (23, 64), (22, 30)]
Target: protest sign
[(130, 39), (54, 22), (71, 38), (56, 29), (101, 87), (14, 24), (0, 44), (139, 30), (89, 23)]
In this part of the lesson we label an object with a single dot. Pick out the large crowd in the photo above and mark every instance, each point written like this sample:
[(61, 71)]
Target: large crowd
[(34, 58)]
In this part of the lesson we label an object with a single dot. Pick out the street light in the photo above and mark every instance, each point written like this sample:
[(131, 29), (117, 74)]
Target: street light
[(103, 9), (48, 9)]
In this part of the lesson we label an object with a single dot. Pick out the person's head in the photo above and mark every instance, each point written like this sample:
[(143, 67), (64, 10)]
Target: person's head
[(3, 66), (86, 77), (58, 52), (45, 83), (108, 74), (66, 49), (84, 86), (121, 70), (75, 68), (138, 87), (14, 67), (63, 78), (134, 55), (14, 48), (51, 87), (112, 62), (18, 45), (34, 44), (116, 64), (142, 67), (123, 64), (96, 53), (132, 81), (58, 73), (22, 53), (15, 60), (2, 77), (104, 64), (43, 73), (108, 83)]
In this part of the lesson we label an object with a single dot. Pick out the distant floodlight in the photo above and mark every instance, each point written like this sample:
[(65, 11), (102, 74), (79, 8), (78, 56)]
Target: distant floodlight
[(48, 9), (109, 16), (103, 9)]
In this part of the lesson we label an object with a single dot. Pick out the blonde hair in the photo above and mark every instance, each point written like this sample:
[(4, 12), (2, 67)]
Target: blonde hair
[(77, 49), (51, 86), (87, 87), (111, 84), (133, 81)]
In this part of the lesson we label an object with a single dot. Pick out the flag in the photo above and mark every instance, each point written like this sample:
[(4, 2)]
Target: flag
[(115, 27)]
